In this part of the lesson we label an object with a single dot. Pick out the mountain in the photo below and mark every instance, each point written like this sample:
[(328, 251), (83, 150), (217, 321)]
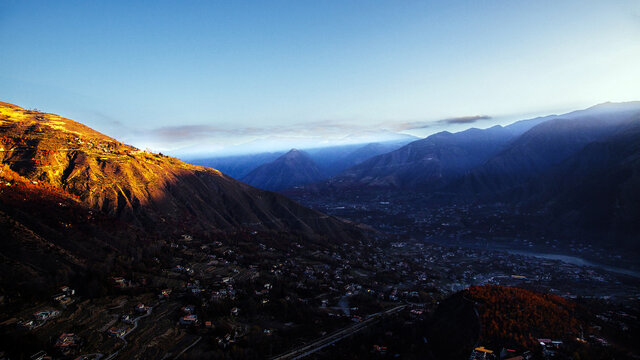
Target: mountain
[(595, 191), (546, 145), (149, 190), (291, 169), (334, 160), (485, 160), (50, 236), (331, 160), (572, 178), (429, 162)]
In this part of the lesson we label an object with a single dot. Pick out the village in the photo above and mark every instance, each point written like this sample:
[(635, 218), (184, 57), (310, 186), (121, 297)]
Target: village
[(266, 296)]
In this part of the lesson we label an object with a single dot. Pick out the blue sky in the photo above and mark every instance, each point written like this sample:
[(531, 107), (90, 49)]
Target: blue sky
[(184, 76)]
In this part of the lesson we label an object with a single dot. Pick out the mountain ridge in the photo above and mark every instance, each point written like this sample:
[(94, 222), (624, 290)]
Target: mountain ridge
[(142, 187)]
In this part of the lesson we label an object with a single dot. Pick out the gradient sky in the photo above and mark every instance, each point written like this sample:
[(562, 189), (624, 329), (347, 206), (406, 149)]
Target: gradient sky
[(180, 76)]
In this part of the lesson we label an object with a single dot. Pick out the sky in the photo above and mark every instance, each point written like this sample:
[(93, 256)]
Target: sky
[(195, 77)]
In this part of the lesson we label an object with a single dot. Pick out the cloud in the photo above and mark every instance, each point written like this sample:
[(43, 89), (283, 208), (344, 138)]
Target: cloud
[(315, 129), (465, 119), (412, 125), (298, 134), (190, 132), (424, 124)]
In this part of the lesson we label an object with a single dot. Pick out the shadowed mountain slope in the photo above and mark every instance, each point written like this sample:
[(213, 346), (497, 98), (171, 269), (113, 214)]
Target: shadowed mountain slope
[(596, 190), (485, 160), (547, 145), (428, 163)]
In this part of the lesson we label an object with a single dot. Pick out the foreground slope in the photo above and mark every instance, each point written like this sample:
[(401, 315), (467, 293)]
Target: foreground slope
[(500, 317), (147, 189)]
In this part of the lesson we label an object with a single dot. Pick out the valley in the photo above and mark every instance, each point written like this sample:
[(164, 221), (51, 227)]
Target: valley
[(319, 180), (492, 226), (168, 260)]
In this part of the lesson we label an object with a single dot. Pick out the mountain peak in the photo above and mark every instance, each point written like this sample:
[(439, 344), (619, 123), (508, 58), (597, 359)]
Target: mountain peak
[(293, 153), (293, 168), (297, 154)]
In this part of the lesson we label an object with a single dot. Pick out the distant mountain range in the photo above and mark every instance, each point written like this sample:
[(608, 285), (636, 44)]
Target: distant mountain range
[(581, 169), (330, 160), (486, 160), (547, 145)]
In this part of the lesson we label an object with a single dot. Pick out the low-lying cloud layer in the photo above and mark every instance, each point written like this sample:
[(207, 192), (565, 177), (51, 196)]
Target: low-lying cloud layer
[(416, 125), (176, 137), (465, 119)]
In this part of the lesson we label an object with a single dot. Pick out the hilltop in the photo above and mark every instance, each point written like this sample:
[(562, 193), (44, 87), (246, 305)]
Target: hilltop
[(151, 190)]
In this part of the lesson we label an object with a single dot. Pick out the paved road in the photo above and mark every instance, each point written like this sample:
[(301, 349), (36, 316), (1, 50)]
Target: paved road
[(331, 339)]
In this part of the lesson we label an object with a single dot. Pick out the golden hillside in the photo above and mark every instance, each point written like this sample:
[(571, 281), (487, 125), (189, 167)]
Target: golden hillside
[(141, 186)]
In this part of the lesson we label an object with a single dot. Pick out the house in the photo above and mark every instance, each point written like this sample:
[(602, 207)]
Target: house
[(121, 282), (544, 342), (65, 295), (556, 343), (67, 341), (67, 290), (194, 287), (481, 353), (189, 320), (164, 294), (141, 308), (380, 349), (45, 314), (27, 324), (62, 299), (114, 331)]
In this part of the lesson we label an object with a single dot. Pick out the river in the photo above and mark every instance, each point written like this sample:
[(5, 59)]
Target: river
[(575, 261)]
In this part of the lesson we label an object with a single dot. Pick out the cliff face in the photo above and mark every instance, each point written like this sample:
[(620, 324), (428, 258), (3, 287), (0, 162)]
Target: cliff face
[(148, 189)]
